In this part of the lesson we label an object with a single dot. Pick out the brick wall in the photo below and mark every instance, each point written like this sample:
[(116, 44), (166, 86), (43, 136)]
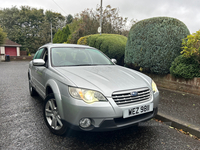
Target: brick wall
[(179, 84), (23, 53), (18, 58)]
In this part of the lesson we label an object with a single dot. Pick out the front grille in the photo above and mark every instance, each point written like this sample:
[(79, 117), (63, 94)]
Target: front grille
[(126, 97)]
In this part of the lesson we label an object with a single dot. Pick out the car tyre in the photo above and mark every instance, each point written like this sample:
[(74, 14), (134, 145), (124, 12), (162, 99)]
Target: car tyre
[(32, 89), (51, 116)]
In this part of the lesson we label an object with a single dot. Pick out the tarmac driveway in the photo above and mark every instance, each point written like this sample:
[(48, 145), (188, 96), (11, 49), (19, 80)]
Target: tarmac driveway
[(22, 125)]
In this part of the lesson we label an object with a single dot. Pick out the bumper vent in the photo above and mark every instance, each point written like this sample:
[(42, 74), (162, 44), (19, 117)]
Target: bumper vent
[(131, 96)]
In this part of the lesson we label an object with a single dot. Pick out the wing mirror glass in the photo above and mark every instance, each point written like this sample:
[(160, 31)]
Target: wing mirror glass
[(38, 62)]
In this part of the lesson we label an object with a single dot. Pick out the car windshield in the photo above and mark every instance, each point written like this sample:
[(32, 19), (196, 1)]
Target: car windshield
[(65, 56)]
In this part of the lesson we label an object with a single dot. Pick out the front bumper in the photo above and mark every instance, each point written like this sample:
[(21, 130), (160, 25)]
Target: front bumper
[(105, 116), (110, 124)]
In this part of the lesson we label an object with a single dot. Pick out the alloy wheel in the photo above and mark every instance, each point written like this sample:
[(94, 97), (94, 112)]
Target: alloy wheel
[(52, 115)]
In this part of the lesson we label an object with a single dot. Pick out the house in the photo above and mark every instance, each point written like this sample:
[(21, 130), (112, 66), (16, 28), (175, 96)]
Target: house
[(9, 48)]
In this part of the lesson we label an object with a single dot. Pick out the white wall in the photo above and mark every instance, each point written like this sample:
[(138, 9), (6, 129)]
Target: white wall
[(2, 52), (18, 51)]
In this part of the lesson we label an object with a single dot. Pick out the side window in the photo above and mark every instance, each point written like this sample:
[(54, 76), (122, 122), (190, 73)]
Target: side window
[(45, 56), (35, 54), (39, 54)]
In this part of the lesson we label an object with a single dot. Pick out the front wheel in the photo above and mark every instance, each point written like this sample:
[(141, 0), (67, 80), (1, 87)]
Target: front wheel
[(31, 89), (52, 117)]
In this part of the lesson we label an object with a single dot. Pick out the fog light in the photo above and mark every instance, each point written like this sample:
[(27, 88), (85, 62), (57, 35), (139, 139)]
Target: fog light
[(85, 122)]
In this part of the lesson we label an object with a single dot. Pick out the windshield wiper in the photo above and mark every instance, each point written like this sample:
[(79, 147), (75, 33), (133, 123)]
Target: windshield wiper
[(91, 64), (84, 65)]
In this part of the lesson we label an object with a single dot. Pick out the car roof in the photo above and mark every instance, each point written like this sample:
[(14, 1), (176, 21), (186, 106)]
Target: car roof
[(49, 45)]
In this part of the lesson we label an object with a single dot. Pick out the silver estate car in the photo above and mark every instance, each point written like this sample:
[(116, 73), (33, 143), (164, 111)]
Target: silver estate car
[(84, 90)]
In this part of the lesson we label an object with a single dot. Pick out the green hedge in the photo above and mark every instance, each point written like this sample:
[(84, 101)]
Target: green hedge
[(185, 67), (113, 45), (154, 43)]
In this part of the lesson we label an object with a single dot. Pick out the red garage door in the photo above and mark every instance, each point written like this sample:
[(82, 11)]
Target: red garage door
[(12, 51)]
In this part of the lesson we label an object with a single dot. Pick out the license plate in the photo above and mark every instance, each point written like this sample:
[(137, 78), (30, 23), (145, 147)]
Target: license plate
[(138, 110)]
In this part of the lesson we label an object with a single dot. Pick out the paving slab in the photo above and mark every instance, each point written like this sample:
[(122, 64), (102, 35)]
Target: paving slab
[(180, 110)]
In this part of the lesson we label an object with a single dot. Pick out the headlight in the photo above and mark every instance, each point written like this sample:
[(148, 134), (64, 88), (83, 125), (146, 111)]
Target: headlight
[(89, 96), (154, 87)]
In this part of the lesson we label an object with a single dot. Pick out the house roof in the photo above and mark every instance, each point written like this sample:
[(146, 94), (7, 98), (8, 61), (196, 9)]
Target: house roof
[(11, 43)]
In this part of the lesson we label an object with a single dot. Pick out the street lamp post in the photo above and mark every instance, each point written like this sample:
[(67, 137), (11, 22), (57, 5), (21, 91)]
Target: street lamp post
[(101, 19), (51, 33)]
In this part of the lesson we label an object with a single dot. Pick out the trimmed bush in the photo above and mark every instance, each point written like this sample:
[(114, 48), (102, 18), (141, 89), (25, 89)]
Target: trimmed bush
[(154, 43), (83, 40), (185, 67), (113, 45)]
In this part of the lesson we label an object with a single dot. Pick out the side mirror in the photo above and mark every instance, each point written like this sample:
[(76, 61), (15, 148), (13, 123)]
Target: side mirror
[(114, 61), (38, 62)]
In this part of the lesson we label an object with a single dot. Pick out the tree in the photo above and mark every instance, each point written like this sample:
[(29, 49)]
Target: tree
[(111, 22), (57, 20), (2, 36), (57, 36), (62, 35), (88, 21), (69, 19), (76, 30), (9, 22), (30, 27)]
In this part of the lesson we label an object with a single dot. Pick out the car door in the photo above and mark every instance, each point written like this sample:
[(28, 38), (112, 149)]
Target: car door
[(34, 71), (41, 73)]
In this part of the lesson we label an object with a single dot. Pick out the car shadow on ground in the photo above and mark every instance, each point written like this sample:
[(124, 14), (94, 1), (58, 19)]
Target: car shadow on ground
[(150, 135), (117, 139)]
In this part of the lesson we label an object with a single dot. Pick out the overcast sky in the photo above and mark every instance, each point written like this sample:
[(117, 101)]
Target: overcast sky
[(187, 11)]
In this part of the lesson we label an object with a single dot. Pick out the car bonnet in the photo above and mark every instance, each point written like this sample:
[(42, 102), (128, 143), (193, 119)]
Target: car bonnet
[(105, 79)]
